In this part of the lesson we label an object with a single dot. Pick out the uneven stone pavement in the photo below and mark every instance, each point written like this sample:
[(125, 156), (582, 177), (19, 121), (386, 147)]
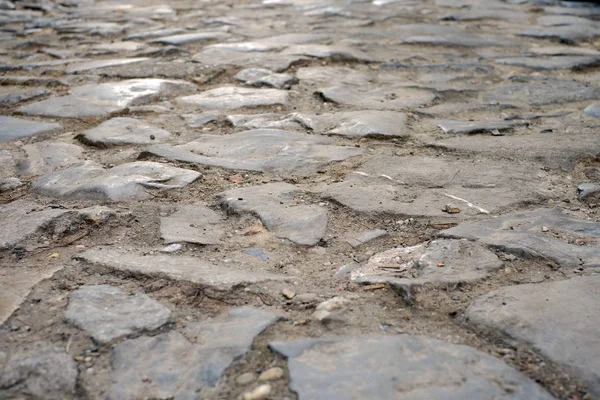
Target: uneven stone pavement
[(299, 199)]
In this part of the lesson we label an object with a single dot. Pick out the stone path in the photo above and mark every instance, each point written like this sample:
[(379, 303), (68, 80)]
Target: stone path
[(299, 199)]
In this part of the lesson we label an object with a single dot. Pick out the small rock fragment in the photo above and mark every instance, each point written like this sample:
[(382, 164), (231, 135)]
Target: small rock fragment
[(245, 378), (271, 374), (331, 309), (288, 294), (259, 393)]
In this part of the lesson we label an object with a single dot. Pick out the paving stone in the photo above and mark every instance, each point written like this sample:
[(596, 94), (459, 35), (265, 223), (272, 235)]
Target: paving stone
[(556, 318), (190, 224), (94, 28), (184, 269), (587, 189), (88, 65), (122, 131), (115, 47), (422, 186), (150, 34), (363, 124), (124, 182), (452, 109), (201, 119), (15, 128), (376, 367), (264, 77), (234, 97), (267, 121), (272, 61), (567, 33), (43, 371), (384, 98), (171, 365), (15, 96), (445, 35), (564, 51), (96, 100), (440, 262), (268, 150), (194, 37), (7, 184), (321, 76), (45, 157), (106, 312), (593, 110), (548, 233), (363, 237), (453, 126), (550, 63), (542, 91), (24, 80), (334, 52), (274, 204)]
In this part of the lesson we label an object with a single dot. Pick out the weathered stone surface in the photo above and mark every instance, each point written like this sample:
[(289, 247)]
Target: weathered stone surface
[(191, 224), (338, 76), (94, 28), (222, 56), (454, 126), (234, 97), (422, 186), (547, 233), (588, 189), (264, 77), (199, 120), (268, 150), (172, 365), (445, 35), (186, 38), (363, 124), (558, 319), (154, 33), (564, 51), (15, 96), (88, 65), (363, 237), (275, 206), (186, 269), (45, 157), (123, 182), (95, 100), (322, 51), (121, 131), (267, 121), (43, 371), (567, 33), (550, 63), (376, 367), (106, 312), (15, 128), (384, 98), (593, 110)]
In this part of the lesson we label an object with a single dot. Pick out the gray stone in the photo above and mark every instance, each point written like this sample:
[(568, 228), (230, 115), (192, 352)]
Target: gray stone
[(446, 35), (24, 80), (363, 237), (107, 313), (422, 186), (173, 366), (7, 184), (199, 120), (96, 100), (168, 69), (552, 62), (272, 61), (124, 182), (266, 121), (184, 269), (365, 124), (94, 28), (121, 131), (95, 64), (542, 91), (440, 262), (454, 126), (340, 53), (190, 224), (587, 189), (338, 76), (44, 371), (593, 110), (234, 97), (264, 77), (546, 233), (558, 319), (383, 98), (15, 96), (154, 33), (8, 166), (400, 367), (194, 37), (15, 128), (45, 157), (275, 206), (563, 51), (267, 150), (562, 20), (567, 33), (452, 109)]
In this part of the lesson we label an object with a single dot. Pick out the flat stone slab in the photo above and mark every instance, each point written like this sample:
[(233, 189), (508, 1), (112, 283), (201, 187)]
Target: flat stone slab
[(268, 150), (551, 63), (274, 204), (235, 97), (130, 181), (179, 366), (190, 224), (454, 126), (185, 38), (558, 319), (96, 100), (95, 64), (14, 96), (593, 110), (268, 121), (363, 237), (447, 35), (332, 76), (223, 56), (546, 233), (185, 269), (44, 372), (423, 186), (263, 77), (45, 157), (383, 98), (16, 128), (341, 53), (566, 33), (376, 368), (201, 119), (122, 131), (106, 312), (438, 262)]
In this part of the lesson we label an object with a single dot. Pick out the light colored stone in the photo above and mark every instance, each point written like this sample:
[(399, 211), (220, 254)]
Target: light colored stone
[(121, 131), (258, 393), (271, 374), (45, 157), (191, 224), (233, 97), (15, 128)]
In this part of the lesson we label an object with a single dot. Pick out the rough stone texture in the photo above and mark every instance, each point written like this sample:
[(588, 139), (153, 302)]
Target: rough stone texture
[(422, 186), (223, 56), (363, 237), (234, 97), (377, 99), (199, 120), (123, 182), (15, 128), (593, 110), (453, 126), (88, 65), (44, 371), (376, 368), (186, 38), (373, 124), (264, 77), (558, 319), (120, 131), (191, 224), (274, 204), (96, 100), (547, 233), (15, 96), (45, 157), (106, 312), (267, 150), (179, 366), (185, 269), (549, 63)]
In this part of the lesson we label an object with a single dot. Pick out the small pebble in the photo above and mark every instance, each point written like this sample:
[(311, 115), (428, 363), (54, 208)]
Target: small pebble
[(172, 248), (288, 294), (245, 378), (271, 374), (261, 392)]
